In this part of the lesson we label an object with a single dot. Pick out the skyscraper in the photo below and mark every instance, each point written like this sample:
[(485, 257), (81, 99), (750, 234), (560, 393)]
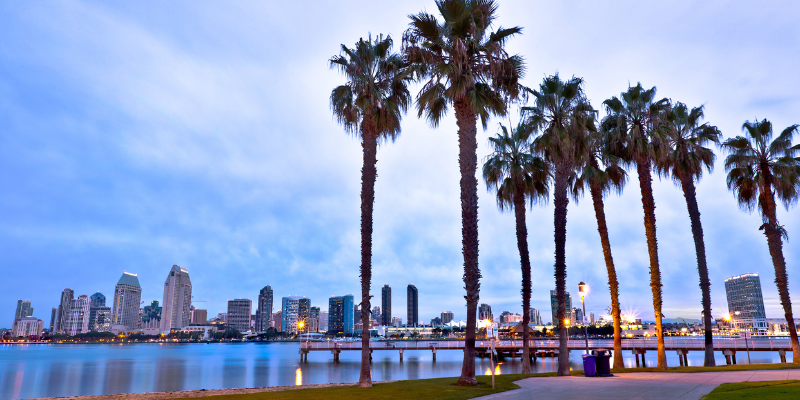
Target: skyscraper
[(53, 316), (239, 314), (745, 303), (412, 307), (97, 300), (77, 320), (264, 309), (99, 314), (24, 309), (386, 305), (177, 300), (485, 312), (152, 316), (63, 309), (340, 314), (313, 319), (447, 317), (535, 316), (295, 309), (127, 297), (376, 314), (567, 310), (199, 317)]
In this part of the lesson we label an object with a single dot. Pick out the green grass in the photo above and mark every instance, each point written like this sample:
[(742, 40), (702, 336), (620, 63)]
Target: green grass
[(766, 390), (719, 368), (438, 388)]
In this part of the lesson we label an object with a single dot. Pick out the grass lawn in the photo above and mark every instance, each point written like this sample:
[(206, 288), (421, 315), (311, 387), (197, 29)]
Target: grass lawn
[(719, 368), (766, 390), (438, 388)]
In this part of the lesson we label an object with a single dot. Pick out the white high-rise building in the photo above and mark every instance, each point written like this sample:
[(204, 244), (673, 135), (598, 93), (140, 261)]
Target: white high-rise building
[(175, 307), (127, 298), (27, 326), (78, 316), (63, 309)]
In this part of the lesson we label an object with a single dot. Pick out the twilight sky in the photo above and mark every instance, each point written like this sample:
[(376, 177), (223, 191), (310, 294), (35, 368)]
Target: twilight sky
[(135, 136)]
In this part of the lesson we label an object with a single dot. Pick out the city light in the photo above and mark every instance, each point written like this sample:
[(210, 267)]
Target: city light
[(566, 321)]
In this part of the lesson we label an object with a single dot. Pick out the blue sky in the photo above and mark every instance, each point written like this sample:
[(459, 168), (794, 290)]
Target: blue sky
[(135, 136)]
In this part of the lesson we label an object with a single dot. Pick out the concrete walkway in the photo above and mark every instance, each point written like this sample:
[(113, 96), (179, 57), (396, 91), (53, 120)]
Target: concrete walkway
[(689, 386)]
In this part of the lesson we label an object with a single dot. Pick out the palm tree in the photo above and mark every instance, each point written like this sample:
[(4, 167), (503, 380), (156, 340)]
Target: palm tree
[(638, 139), (370, 105), (515, 174), (464, 65), (758, 172), (563, 115), (600, 182), (685, 160)]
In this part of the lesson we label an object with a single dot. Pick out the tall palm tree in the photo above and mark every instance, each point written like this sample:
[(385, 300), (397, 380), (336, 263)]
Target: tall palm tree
[(639, 139), (684, 161), (564, 116), (466, 66), (370, 106), (602, 174), (759, 170), (516, 175)]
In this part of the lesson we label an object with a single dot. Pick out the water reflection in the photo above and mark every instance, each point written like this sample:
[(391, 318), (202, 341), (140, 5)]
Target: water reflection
[(298, 377)]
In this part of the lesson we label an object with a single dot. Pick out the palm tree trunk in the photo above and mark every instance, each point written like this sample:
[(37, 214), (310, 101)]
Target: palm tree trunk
[(525, 263), (773, 232), (560, 221), (468, 165), (613, 284), (687, 183), (368, 174), (649, 206)]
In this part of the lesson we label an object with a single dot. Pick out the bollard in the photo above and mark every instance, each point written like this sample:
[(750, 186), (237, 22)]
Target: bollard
[(434, 354), (401, 355), (782, 354)]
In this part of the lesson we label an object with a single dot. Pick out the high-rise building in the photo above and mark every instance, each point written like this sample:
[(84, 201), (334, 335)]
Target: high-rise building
[(313, 319), (745, 303), (97, 300), (264, 309), (127, 297), (53, 316), (63, 309), (412, 307), (277, 321), (535, 317), (567, 309), (447, 317), (397, 322), (24, 309), (386, 305), (239, 314), (323, 321), (577, 315), (177, 300), (152, 316), (27, 327), (295, 309), (340, 314), (485, 312), (77, 320), (99, 314), (376, 314), (199, 317)]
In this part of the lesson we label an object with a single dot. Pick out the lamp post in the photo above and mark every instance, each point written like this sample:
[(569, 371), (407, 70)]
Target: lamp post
[(582, 290)]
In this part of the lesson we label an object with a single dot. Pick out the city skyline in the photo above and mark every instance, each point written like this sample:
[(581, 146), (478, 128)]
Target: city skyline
[(197, 127)]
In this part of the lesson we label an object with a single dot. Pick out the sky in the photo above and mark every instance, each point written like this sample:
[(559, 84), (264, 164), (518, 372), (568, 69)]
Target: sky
[(138, 135)]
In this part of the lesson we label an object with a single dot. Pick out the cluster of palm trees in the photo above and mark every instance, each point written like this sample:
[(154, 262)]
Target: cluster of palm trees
[(462, 63)]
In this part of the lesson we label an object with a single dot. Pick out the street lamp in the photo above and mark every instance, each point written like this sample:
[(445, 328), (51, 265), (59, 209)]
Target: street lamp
[(582, 290)]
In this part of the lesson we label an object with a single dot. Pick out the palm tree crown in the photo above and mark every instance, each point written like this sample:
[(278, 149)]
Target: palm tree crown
[(511, 168), (463, 60), (685, 140), (637, 115)]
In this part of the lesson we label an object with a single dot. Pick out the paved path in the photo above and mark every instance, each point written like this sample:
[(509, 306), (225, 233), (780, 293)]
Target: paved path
[(688, 386)]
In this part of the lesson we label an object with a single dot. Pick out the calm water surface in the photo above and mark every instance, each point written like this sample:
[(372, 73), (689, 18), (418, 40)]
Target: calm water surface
[(30, 371)]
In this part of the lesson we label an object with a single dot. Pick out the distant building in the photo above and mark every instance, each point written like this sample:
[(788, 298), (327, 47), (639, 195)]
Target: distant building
[(446, 316), (99, 314), (53, 317), (485, 312), (97, 300), (397, 322), (323, 321), (508, 316), (412, 306), (535, 317), (577, 314), (264, 309), (745, 303), (24, 309), (27, 326), (567, 309), (152, 316), (127, 297), (277, 321), (376, 314), (177, 300), (199, 317), (436, 321), (295, 309), (63, 309), (239, 314), (78, 316), (340, 314), (386, 305), (313, 319)]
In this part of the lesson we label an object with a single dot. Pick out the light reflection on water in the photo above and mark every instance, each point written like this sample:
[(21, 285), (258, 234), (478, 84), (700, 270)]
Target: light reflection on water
[(28, 371)]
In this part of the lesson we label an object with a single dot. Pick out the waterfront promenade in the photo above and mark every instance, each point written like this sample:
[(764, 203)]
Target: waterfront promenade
[(631, 386)]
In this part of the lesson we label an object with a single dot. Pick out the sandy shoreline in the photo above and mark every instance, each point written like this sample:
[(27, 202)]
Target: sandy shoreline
[(180, 394)]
